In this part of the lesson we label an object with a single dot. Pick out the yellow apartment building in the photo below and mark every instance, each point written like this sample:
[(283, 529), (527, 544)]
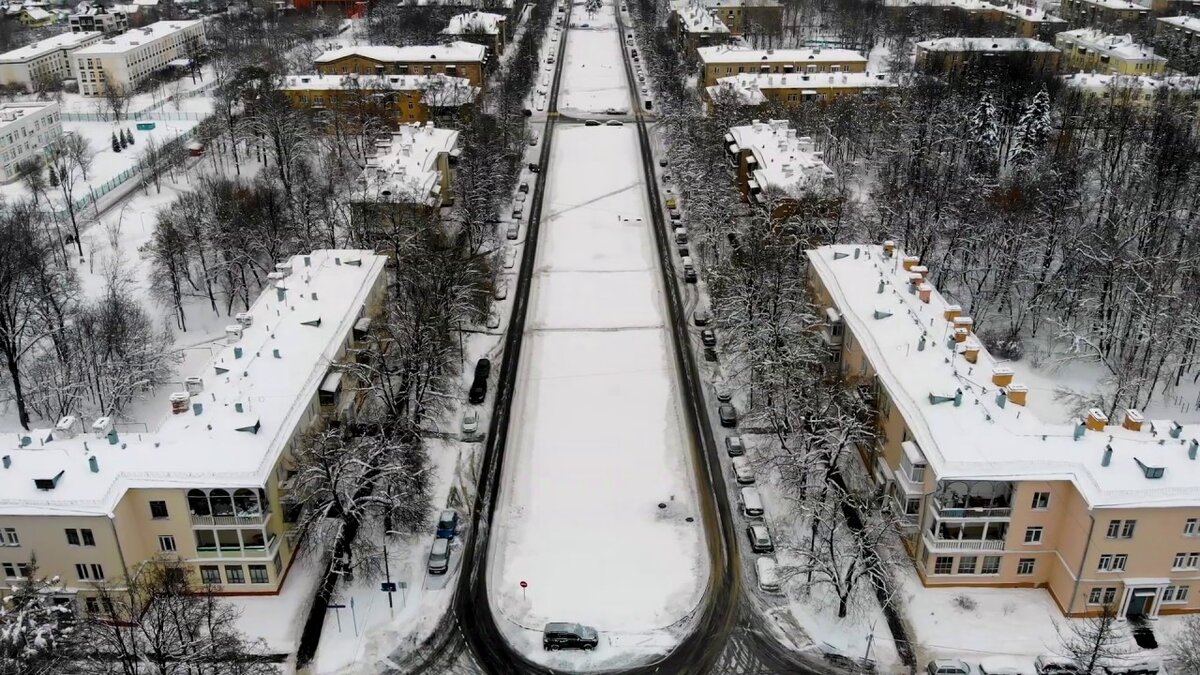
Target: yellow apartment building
[(1104, 11), (994, 491), (400, 98), (456, 59), (776, 167), (695, 26), (948, 55), (796, 88), (484, 28), (413, 167), (724, 61), (743, 16), (1020, 20), (92, 499), (1093, 51)]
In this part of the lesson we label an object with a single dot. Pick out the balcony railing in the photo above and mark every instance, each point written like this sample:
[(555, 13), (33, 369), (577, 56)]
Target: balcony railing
[(244, 519), (264, 551), (963, 544), (971, 512)]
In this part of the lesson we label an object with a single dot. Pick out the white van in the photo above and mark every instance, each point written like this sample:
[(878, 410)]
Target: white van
[(767, 573), (751, 502), (681, 235), (742, 473)]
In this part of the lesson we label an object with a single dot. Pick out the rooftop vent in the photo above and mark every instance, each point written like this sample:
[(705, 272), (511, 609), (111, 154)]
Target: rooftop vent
[(233, 333), (66, 428), (194, 385), (1096, 420), (244, 319), (1133, 419), (1002, 376), (102, 426), (48, 483), (1151, 472), (179, 402)]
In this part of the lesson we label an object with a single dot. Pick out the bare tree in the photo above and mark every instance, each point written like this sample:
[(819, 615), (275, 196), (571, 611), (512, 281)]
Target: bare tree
[(70, 158), (117, 97), (1184, 647), (1095, 640), (35, 633)]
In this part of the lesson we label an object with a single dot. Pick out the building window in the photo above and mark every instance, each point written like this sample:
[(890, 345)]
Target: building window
[(91, 572), (1190, 527), (166, 543), (943, 565), (966, 564), (1041, 501), (1025, 566), (88, 539), (72, 537), (258, 574), (158, 510), (1033, 535), (91, 605), (16, 570), (1120, 529), (991, 564), (1113, 563), (1186, 561), (234, 574), (210, 574), (1102, 595), (1175, 594)]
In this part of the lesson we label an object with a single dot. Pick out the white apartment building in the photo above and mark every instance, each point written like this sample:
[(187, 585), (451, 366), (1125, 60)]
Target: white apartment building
[(131, 57), (98, 18), (412, 166), (25, 130), (772, 158), (45, 59)]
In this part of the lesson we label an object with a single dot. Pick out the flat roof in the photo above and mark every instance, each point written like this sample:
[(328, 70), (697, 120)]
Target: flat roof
[(1117, 4), (1185, 22), (979, 439), (449, 52), (697, 18), (749, 86), (137, 37), (212, 444), (1182, 83), (1024, 12), (44, 47), (786, 161), (13, 112), (1122, 46), (404, 168), (729, 54), (442, 90), (987, 44), (474, 22)]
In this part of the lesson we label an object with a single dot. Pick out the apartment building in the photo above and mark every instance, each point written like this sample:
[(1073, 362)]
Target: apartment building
[(95, 18), (129, 58), (753, 89), (1019, 20), (402, 99), (1094, 51), (49, 59), (695, 26), (718, 62), (753, 17), (25, 130), (776, 167), (993, 489), (1104, 12), (1137, 90), (93, 500), (455, 59), (949, 55), (483, 28), (1185, 28), (412, 167)]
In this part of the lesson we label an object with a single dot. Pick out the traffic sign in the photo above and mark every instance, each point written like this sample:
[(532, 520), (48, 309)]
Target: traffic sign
[(524, 584), (387, 587)]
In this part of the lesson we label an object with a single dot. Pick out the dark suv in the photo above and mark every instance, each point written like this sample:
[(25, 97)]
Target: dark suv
[(561, 635), (479, 385)]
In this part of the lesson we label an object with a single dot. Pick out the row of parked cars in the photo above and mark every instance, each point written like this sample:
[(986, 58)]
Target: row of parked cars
[(439, 553), (1046, 664)]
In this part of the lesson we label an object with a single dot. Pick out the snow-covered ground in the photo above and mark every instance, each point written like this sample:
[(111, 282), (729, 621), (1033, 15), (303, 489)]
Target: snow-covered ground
[(598, 441), (594, 76)]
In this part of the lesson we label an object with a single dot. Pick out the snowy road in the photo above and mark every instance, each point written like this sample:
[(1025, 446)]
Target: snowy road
[(598, 439)]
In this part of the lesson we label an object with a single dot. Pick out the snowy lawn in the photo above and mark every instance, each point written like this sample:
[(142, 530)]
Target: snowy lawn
[(598, 440), (594, 76), (278, 619)]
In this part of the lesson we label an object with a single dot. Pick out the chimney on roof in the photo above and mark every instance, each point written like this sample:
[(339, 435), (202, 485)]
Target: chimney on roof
[(951, 312), (66, 428), (919, 270), (179, 402), (102, 426), (1133, 419), (244, 319), (889, 247), (924, 291), (961, 334), (1096, 419), (1002, 376), (910, 261), (971, 351), (194, 385), (233, 333), (1017, 393)]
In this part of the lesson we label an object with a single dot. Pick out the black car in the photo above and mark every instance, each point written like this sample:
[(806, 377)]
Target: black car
[(709, 337), (561, 635), (479, 385), (592, 123), (728, 415), (689, 275), (534, 168)]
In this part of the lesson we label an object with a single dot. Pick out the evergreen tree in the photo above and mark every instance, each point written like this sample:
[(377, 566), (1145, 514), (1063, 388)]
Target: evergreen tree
[(983, 129), (122, 140), (129, 135), (1033, 128), (116, 145)]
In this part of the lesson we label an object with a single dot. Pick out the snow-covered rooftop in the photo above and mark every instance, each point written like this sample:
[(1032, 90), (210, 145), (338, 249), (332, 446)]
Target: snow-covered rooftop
[(696, 18), (12, 111), (254, 394), (1190, 23), (1116, 4), (451, 52), (136, 37), (1024, 12), (37, 13), (749, 86), (980, 438), (727, 4), (43, 47), (473, 23), (405, 166), (1095, 81), (1119, 46), (786, 162), (728, 54), (986, 44), (441, 90)]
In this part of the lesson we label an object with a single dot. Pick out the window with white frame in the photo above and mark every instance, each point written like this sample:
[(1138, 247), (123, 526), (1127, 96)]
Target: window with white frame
[(166, 543), (1191, 527), (1113, 562), (1025, 566), (1175, 594), (1041, 501), (1033, 535), (10, 537), (1102, 595), (1186, 561)]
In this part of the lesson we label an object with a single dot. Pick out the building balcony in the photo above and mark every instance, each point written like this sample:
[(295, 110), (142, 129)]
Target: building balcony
[(970, 512), (226, 552), (243, 519), (937, 545)]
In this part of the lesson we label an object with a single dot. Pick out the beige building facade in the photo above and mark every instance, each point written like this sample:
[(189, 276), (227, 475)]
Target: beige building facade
[(1096, 513)]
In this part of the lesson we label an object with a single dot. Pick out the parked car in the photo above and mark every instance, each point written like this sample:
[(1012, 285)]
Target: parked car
[(510, 258), (767, 573), (514, 231), (592, 123), (985, 669), (447, 525), (615, 111), (728, 415), (470, 423), (708, 337), (439, 556), (948, 667), (1132, 666), (751, 503), (672, 203), (560, 635), (483, 369), (615, 123), (681, 233), (534, 168), (533, 136), (742, 472), (723, 394), (701, 316), (689, 270), (500, 292), (493, 320), (760, 539), (662, 162), (675, 214), (1049, 664), (734, 446)]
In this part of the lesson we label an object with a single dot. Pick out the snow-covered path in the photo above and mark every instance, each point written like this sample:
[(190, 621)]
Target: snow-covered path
[(598, 437)]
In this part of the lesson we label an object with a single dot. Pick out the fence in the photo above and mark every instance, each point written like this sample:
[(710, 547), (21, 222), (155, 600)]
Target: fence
[(141, 115), (165, 151)]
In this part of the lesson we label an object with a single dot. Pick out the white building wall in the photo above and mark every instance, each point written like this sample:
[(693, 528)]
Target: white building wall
[(127, 61), (58, 63), (25, 130)]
